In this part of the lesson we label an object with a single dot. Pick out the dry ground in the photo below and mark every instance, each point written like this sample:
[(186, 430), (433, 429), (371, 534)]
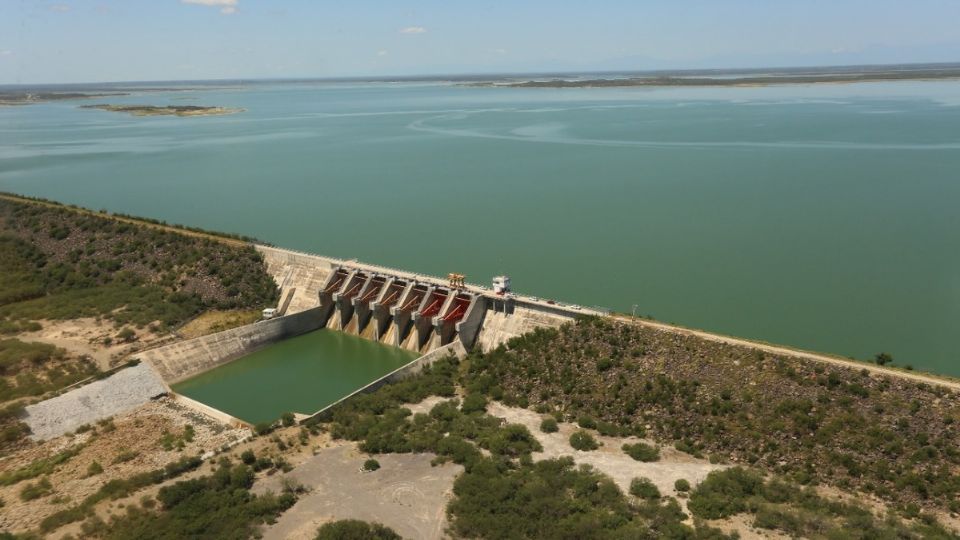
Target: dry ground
[(137, 433), (85, 337)]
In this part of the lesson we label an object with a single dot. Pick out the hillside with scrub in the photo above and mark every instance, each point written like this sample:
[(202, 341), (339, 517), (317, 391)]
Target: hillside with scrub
[(124, 279), (813, 423)]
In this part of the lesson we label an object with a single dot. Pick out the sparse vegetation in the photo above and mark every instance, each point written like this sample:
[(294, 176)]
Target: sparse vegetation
[(67, 263), (35, 490), (810, 422), (352, 529), (215, 506), (797, 511)]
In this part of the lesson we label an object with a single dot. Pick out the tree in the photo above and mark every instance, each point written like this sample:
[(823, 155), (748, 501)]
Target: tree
[(371, 465), (883, 358), (549, 425), (354, 529)]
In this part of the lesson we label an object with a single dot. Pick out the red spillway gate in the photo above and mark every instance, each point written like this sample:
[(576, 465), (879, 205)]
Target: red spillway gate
[(373, 292), (458, 310), (337, 282), (435, 304)]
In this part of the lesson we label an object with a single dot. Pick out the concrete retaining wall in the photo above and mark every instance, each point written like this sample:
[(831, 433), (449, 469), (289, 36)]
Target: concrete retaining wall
[(180, 361), (456, 349), (216, 414)]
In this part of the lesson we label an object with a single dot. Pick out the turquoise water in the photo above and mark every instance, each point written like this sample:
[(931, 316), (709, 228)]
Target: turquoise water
[(823, 216), (302, 374)]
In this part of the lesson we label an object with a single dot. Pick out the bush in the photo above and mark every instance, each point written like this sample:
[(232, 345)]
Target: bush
[(371, 465), (353, 529), (549, 425), (724, 493), (474, 403), (36, 490), (263, 428), (642, 452), (287, 419), (248, 457), (644, 489), (94, 469), (682, 485), (581, 440), (587, 422)]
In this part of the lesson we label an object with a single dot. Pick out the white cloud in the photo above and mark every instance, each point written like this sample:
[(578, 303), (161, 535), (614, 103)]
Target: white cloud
[(413, 30), (499, 51), (381, 53), (62, 8), (210, 2), (227, 7), (6, 52)]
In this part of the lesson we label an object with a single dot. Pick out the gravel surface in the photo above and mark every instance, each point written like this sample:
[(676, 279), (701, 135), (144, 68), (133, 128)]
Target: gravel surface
[(119, 393)]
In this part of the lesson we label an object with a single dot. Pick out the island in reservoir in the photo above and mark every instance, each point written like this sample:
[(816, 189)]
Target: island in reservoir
[(169, 110)]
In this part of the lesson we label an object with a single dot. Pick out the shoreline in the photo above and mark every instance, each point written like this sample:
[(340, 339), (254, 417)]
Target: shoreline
[(168, 110), (740, 81)]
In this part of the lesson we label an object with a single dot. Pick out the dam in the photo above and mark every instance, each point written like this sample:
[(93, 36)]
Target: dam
[(341, 326)]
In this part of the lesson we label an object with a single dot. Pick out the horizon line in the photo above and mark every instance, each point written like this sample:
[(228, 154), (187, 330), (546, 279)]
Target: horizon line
[(488, 74)]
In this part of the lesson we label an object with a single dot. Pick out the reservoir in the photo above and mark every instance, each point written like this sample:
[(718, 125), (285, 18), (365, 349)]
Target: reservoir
[(818, 216), (301, 374)]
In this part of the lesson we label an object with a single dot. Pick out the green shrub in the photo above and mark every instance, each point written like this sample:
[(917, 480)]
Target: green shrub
[(724, 493), (644, 489), (371, 465), (682, 485), (549, 425), (288, 419), (263, 428), (587, 422), (36, 490), (582, 440), (642, 452), (474, 403), (94, 469), (352, 529), (248, 457)]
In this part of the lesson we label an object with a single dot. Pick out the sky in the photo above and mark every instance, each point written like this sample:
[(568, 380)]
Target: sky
[(142, 40)]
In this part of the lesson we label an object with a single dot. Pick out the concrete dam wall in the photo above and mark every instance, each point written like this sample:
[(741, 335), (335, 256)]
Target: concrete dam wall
[(180, 361), (399, 308)]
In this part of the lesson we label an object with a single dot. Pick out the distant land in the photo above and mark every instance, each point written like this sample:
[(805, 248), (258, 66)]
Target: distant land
[(25, 94), (26, 97), (893, 73), (169, 110)]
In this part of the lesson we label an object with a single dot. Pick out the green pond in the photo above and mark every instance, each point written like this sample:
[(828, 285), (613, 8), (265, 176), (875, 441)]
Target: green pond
[(301, 374)]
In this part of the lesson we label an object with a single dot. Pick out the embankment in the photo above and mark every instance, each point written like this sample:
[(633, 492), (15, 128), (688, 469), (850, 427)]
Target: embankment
[(180, 361)]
